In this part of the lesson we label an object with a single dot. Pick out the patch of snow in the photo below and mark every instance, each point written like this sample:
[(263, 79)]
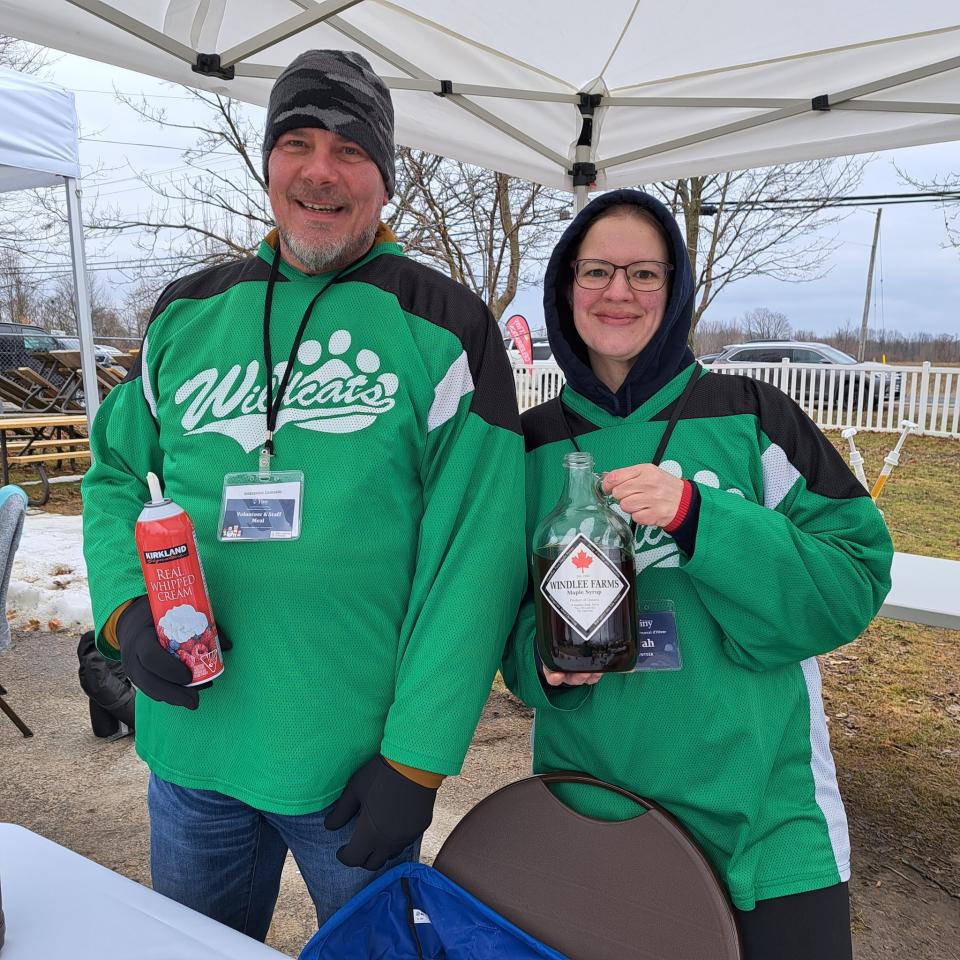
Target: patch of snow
[(48, 583)]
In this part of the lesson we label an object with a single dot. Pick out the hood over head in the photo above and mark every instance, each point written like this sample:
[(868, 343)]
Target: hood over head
[(667, 352)]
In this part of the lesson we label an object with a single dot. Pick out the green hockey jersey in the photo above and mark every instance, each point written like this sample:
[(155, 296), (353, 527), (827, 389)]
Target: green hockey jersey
[(380, 629), (792, 559)]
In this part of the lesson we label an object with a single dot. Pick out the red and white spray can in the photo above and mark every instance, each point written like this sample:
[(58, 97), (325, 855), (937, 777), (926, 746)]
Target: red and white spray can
[(176, 587)]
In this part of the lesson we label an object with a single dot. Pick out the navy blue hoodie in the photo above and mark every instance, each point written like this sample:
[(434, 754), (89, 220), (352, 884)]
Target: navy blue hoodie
[(667, 352)]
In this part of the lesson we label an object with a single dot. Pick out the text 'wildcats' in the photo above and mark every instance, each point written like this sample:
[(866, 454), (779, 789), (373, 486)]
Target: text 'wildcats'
[(333, 397)]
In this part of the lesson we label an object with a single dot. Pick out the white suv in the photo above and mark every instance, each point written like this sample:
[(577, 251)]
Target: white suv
[(886, 382), (540, 348)]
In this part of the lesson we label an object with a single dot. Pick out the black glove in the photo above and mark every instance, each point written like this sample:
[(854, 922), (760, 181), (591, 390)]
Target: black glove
[(150, 668), (394, 811)]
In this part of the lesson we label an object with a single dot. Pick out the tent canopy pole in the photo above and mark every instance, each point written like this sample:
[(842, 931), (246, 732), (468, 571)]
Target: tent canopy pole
[(88, 359)]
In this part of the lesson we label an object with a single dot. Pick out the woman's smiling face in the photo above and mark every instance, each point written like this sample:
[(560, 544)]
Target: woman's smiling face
[(616, 323)]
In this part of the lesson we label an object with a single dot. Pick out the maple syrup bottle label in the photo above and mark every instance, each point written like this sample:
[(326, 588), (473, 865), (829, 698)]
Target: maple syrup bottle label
[(584, 587)]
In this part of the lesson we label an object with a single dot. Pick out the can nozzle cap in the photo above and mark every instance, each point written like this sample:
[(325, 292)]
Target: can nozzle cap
[(156, 493)]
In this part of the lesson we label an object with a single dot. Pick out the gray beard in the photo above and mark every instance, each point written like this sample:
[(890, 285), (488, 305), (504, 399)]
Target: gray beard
[(333, 255)]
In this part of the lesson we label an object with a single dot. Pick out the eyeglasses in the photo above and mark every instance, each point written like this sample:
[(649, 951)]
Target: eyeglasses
[(643, 275)]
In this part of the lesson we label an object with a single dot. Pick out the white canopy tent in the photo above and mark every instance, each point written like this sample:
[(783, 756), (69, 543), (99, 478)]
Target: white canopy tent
[(38, 148), (613, 93)]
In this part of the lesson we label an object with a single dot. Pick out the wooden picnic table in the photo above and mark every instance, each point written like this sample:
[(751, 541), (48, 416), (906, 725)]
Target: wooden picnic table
[(52, 388), (107, 377), (126, 360), (41, 438)]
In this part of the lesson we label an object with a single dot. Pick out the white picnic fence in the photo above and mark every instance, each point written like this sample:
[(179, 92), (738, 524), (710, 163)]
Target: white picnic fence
[(834, 396)]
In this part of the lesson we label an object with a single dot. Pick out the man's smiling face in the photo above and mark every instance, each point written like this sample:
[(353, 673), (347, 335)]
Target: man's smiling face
[(326, 194)]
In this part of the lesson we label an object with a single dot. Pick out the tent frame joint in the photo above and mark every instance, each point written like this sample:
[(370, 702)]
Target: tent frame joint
[(446, 89), (821, 103), (584, 174), (208, 65), (589, 102)]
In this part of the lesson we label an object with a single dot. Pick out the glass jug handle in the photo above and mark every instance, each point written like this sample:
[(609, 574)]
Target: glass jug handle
[(606, 498)]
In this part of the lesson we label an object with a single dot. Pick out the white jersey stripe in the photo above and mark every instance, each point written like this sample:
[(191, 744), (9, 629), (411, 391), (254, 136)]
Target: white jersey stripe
[(779, 475), (826, 789), (457, 382), (145, 379)]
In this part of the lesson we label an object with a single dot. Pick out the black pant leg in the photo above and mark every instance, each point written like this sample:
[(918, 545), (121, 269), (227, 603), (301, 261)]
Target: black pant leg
[(803, 926)]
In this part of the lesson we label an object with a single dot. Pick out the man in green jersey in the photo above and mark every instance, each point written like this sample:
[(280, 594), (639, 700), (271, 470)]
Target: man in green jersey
[(362, 651)]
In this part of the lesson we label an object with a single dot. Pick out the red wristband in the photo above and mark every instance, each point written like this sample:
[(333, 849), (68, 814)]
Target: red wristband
[(685, 500)]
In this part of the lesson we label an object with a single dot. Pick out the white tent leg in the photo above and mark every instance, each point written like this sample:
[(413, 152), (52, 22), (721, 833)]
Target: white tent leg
[(84, 321)]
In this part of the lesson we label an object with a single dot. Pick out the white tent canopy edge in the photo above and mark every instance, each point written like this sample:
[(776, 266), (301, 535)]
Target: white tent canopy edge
[(616, 95), (38, 148)]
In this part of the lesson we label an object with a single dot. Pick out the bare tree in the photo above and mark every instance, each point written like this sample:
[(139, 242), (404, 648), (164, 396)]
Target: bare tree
[(20, 294), (138, 306), (761, 323), (487, 230), (216, 208), (60, 308), (753, 223), (21, 56), (948, 182), (714, 335)]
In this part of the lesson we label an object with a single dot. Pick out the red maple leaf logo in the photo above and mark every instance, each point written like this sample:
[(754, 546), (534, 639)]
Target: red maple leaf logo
[(581, 561)]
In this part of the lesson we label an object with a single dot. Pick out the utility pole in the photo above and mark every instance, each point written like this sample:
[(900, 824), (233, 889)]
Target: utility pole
[(862, 348)]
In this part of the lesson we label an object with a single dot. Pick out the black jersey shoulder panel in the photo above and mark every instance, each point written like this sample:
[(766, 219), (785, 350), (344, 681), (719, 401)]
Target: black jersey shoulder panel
[(782, 420), (203, 284), (436, 298), (551, 421)]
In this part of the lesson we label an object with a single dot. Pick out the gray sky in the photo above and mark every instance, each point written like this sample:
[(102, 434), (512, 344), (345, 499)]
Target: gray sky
[(916, 277)]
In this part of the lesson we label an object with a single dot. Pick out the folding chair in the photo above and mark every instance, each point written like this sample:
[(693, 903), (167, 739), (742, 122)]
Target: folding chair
[(637, 889), (13, 503)]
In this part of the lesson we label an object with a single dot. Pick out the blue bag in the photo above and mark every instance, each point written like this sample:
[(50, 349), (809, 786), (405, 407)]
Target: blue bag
[(414, 912)]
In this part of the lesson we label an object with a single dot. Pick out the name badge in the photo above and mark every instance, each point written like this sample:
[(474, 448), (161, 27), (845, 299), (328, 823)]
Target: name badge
[(658, 645), (261, 506)]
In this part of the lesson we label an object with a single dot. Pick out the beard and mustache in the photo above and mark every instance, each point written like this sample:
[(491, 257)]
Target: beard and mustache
[(320, 254)]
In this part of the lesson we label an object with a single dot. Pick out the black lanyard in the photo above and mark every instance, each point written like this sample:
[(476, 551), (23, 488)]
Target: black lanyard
[(273, 405), (671, 423)]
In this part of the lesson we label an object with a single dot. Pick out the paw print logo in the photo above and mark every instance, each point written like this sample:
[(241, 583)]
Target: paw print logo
[(706, 478), (366, 362), (654, 548), (344, 393)]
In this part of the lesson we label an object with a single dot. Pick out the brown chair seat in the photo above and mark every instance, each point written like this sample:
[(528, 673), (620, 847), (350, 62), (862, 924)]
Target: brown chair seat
[(638, 889)]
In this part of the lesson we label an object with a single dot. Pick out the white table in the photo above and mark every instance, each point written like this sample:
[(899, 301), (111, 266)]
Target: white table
[(60, 905), (925, 590)]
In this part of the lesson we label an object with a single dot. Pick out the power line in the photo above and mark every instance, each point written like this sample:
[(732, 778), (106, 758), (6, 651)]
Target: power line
[(139, 93), (155, 146), (801, 204), (49, 271)]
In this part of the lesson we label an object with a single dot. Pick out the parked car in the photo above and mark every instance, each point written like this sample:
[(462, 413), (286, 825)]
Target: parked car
[(104, 354), (542, 352), (886, 382), (708, 358), (18, 341)]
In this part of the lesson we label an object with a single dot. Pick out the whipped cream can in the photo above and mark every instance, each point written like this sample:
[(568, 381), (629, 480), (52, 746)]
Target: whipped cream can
[(176, 588)]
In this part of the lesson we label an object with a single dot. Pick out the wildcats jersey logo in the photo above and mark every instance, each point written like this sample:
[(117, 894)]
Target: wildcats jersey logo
[(332, 391)]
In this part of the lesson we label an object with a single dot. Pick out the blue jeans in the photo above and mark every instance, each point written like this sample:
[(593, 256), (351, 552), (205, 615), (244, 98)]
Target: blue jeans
[(224, 858)]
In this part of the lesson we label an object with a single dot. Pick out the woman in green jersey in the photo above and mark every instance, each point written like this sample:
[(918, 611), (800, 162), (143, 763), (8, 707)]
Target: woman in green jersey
[(755, 545)]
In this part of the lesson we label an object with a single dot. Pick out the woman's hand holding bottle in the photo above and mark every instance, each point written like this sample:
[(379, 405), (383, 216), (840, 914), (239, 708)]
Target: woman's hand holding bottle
[(648, 493)]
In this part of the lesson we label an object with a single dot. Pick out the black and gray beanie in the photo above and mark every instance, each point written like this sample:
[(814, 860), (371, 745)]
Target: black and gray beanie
[(338, 91)]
